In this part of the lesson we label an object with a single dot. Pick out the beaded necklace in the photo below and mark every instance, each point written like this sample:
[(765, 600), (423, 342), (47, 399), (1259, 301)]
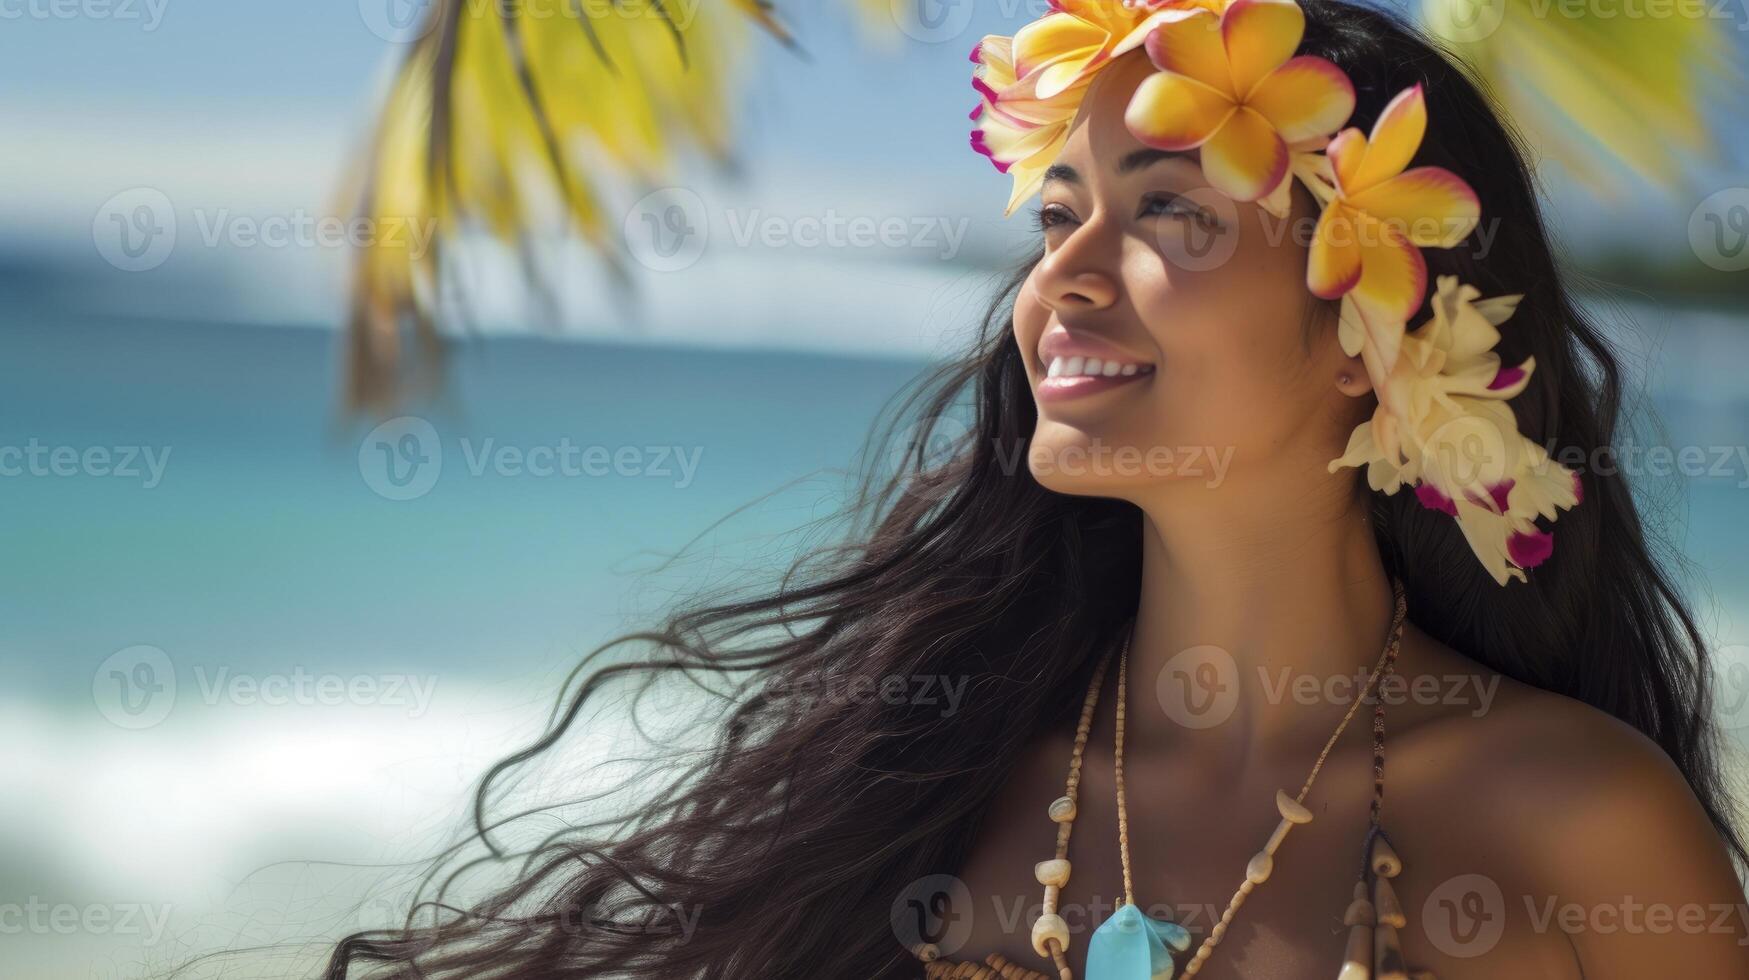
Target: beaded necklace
[(1130, 945)]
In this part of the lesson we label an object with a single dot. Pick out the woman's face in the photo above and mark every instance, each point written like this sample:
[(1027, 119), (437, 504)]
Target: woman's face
[(1199, 300)]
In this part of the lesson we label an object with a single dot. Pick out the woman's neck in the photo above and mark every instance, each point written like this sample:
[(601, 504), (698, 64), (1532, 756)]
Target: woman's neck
[(1257, 624)]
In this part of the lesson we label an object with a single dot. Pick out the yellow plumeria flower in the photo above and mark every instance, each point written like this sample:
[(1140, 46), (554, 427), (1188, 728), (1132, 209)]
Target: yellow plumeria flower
[(1078, 37), (1020, 132), (1365, 244), (1231, 86), (1032, 83)]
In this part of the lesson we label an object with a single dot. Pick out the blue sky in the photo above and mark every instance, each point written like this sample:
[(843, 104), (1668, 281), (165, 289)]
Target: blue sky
[(254, 107)]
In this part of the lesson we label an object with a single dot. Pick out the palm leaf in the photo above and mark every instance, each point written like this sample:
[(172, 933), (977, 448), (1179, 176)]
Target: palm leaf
[(1610, 97), (494, 100)]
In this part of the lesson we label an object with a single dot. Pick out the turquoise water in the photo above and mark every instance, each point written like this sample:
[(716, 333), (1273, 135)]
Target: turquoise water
[(263, 541), (267, 548)]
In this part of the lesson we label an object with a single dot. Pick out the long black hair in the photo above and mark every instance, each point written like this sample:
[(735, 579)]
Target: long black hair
[(776, 849)]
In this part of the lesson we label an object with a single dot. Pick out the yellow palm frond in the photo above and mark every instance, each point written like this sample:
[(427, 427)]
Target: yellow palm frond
[(1605, 93), (584, 95)]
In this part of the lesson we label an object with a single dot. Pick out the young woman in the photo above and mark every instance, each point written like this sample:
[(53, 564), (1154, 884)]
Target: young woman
[(1078, 702)]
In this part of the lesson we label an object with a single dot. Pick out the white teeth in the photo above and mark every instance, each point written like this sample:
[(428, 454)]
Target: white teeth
[(1088, 367)]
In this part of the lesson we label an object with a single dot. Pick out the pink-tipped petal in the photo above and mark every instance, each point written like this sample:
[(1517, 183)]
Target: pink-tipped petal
[(1501, 492), (1395, 138), (1259, 35), (1305, 98), (1192, 46), (1430, 206), (1393, 275), (1344, 153), (1170, 111), (1530, 550), (1333, 266), (1507, 377), (1244, 159), (1432, 499)]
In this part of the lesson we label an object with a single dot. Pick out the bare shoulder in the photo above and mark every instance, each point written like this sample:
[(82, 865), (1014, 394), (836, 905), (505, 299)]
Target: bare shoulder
[(1585, 824)]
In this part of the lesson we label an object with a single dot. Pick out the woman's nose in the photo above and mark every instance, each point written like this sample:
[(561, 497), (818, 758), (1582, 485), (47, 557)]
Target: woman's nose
[(1076, 275)]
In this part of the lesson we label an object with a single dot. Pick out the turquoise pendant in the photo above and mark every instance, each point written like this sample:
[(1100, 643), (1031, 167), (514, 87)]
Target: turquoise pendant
[(1132, 946)]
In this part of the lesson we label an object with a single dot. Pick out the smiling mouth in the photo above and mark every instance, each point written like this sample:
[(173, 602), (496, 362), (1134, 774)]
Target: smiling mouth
[(1073, 377)]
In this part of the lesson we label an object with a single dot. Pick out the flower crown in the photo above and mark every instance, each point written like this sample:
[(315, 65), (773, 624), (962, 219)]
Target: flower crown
[(1229, 84)]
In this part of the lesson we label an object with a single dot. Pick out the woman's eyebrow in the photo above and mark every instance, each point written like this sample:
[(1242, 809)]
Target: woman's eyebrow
[(1147, 156), (1135, 160)]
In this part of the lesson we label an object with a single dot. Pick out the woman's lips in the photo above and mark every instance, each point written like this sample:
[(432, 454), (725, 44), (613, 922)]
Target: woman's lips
[(1075, 377)]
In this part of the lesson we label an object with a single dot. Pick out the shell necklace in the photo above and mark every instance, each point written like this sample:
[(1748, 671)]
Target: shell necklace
[(1132, 945)]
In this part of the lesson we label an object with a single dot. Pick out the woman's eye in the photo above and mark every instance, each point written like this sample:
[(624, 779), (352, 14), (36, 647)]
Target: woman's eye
[(1049, 216), (1175, 205)]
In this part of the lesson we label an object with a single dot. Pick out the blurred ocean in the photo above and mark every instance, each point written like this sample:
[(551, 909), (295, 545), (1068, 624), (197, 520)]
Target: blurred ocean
[(234, 631)]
